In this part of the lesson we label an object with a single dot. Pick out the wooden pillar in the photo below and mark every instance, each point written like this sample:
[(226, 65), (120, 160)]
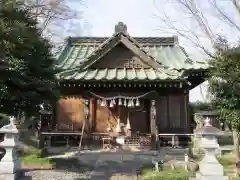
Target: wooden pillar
[(54, 115), (94, 115), (186, 112), (92, 109), (87, 110), (153, 125), (168, 114)]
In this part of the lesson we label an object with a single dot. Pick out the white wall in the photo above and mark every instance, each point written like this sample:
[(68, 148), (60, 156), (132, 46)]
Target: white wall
[(199, 93)]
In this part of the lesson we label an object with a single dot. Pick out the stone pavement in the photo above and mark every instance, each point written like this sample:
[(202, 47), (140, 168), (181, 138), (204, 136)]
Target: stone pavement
[(95, 166), (116, 166)]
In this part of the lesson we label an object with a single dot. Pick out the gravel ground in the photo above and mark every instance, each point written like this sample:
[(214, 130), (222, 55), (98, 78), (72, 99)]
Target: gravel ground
[(65, 169), (54, 175), (99, 167)]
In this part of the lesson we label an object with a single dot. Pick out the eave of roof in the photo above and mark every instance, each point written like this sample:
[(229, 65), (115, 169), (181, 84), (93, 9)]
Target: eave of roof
[(122, 74)]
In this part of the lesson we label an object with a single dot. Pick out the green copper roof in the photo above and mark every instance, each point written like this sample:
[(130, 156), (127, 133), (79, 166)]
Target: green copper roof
[(175, 57), (120, 74), (172, 56), (166, 59), (73, 56)]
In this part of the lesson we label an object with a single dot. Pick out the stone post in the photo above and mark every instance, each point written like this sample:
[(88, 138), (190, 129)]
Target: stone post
[(209, 167), (10, 163), (198, 118), (153, 124)]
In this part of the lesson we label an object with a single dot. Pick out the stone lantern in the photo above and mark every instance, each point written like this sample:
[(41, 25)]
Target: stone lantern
[(10, 163), (209, 167)]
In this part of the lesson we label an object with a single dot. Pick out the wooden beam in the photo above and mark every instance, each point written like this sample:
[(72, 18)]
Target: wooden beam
[(146, 58)]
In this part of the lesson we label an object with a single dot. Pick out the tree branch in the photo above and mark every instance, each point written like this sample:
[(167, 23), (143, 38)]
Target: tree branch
[(236, 4), (225, 16)]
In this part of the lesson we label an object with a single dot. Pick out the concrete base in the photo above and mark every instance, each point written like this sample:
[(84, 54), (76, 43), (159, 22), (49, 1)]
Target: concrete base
[(210, 177), (213, 169), (9, 176), (10, 167)]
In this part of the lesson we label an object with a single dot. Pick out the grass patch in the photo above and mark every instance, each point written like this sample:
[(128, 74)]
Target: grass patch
[(32, 157), (228, 162), (148, 173)]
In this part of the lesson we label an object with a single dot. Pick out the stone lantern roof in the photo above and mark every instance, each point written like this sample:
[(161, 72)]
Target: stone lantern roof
[(10, 128), (208, 129)]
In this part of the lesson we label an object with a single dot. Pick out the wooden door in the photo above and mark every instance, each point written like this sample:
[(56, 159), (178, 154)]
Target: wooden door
[(139, 118), (106, 117)]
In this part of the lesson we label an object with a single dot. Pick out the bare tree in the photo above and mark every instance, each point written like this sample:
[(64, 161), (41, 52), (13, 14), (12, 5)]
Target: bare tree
[(56, 18), (198, 25), (201, 23)]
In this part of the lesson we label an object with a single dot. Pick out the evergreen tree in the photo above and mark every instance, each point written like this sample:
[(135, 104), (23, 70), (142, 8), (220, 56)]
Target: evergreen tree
[(225, 89), (27, 73)]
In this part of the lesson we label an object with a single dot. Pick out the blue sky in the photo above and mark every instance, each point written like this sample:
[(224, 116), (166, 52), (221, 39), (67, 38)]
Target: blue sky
[(100, 17)]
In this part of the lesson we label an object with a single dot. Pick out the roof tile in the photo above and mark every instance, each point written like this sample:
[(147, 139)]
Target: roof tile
[(119, 74)]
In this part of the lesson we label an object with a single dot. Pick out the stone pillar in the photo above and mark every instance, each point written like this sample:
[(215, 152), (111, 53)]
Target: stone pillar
[(10, 163), (153, 124), (196, 139), (128, 127), (209, 167)]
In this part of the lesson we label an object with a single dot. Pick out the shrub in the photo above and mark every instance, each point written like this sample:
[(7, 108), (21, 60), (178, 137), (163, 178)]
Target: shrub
[(225, 140)]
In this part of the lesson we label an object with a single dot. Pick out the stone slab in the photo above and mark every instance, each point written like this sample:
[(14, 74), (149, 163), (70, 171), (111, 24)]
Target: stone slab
[(210, 178), (115, 166)]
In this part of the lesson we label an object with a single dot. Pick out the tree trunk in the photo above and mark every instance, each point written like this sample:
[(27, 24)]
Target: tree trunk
[(236, 137)]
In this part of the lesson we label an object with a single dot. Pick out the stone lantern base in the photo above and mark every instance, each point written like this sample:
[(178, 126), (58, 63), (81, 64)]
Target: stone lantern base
[(10, 176), (210, 177), (209, 167), (10, 166), (10, 169), (210, 171)]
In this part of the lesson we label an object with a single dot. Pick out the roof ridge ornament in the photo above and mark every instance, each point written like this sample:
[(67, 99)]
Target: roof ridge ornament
[(120, 27)]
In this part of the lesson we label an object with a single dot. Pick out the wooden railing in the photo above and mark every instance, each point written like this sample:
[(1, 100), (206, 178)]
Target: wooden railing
[(64, 138), (141, 140), (49, 139), (162, 141), (175, 137)]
